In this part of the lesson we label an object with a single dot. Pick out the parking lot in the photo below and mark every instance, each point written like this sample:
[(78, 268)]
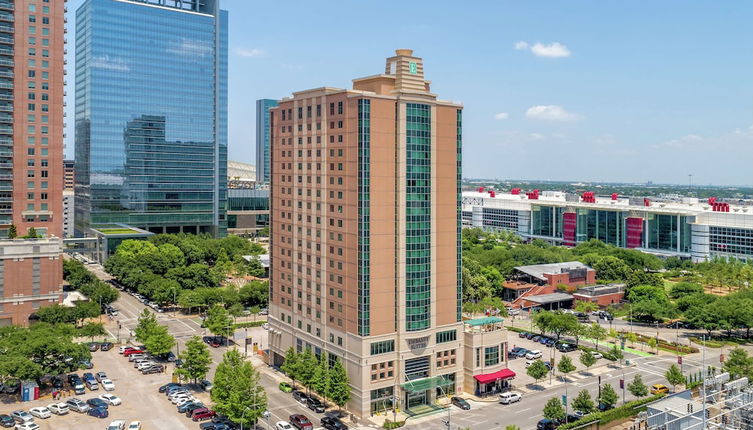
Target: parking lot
[(140, 399)]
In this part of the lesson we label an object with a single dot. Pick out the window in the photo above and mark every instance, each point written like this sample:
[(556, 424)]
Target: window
[(382, 347), (446, 336), (491, 355), (339, 107)]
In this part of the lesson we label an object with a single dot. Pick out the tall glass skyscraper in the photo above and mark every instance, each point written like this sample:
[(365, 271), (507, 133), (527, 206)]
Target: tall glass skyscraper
[(262, 139), (151, 115)]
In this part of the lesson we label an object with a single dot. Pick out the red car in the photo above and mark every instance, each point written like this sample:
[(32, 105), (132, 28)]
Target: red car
[(128, 352), (202, 414), (301, 422)]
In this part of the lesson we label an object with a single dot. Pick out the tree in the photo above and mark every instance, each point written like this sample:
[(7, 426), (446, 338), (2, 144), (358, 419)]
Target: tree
[(565, 365), (159, 342), (553, 410), (616, 354), (587, 359), (674, 376), (235, 310), (512, 427), (608, 396), (611, 268), (597, 333), (12, 232), (637, 387), (237, 392), (292, 365), (254, 293), (321, 378), (537, 370), (652, 343), (196, 360), (307, 368), (682, 289), (583, 402), (91, 330), (147, 324), (31, 233), (557, 323), (218, 321), (84, 310), (586, 307), (56, 314), (739, 364), (339, 385)]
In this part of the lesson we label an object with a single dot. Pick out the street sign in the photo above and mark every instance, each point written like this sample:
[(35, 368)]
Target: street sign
[(564, 400)]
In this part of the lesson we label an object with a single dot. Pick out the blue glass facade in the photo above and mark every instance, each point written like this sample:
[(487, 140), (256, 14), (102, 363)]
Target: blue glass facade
[(263, 134), (151, 115)]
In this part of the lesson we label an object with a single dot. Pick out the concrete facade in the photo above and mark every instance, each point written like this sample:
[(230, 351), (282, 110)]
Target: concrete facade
[(339, 277)]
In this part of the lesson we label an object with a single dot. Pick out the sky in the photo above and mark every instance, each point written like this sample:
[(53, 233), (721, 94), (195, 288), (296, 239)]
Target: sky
[(578, 91)]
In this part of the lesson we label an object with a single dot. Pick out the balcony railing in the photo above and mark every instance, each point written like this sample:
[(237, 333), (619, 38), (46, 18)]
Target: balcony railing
[(6, 6), (4, 96), (8, 119), (6, 85), (6, 130), (8, 17), (6, 28), (7, 141), (6, 51), (6, 73), (6, 62), (6, 107), (6, 39)]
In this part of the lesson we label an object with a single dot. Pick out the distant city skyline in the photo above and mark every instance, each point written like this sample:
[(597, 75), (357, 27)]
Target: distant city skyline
[(590, 91)]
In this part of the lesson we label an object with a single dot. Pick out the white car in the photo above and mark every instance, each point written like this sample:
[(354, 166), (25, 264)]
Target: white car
[(29, 425), (183, 400), (530, 362), (40, 412), (513, 311), (21, 416), (596, 355), (116, 425), (145, 364), (135, 425), (58, 408), (533, 354), (107, 384), (509, 397), (283, 425), (110, 399)]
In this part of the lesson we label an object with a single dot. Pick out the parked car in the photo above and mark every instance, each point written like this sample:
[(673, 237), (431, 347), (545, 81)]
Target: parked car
[(285, 387), (565, 347), (606, 315), (30, 425), (107, 384), (513, 311), (301, 422), (141, 365), (92, 385), (40, 412), (582, 316), (603, 407), (58, 408), (596, 355), (283, 425), (533, 354), (190, 406), (7, 421), (315, 405), (97, 403), (99, 376), (543, 340), (77, 405), (116, 425), (130, 352), (58, 381), (330, 423), (106, 346), (98, 412), (206, 384), (509, 397), (93, 347), (522, 334), (461, 403), (86, 364), (550, 342), (513, 353), (21, 416), (202, 414), (134, 425), (168, 385), (530, 335), (300, 396), (546, 424), (536, 338), (659, 389), (156, 368), (110, 399), (522, 352)]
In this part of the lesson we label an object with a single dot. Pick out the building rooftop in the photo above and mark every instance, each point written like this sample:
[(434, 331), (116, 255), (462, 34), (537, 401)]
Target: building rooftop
[(120, 230), (600, 290), (676, 405), (483, 321), (538, 270), (549, 298)]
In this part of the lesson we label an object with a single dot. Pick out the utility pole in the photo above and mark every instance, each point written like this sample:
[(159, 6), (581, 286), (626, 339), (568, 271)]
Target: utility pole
[(703, 384)]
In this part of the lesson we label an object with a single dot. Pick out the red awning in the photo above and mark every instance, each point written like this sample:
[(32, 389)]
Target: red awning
[(491, 377)]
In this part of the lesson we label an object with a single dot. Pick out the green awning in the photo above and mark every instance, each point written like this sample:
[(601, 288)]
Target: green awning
[(483, 321), (424, 384)]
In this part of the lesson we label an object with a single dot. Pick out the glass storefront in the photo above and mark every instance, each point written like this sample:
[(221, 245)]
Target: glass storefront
[(668, 232), (607, 226)]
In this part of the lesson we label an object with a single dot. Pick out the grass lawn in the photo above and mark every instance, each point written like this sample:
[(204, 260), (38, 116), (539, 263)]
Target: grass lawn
[(719, 342), (116, 231)]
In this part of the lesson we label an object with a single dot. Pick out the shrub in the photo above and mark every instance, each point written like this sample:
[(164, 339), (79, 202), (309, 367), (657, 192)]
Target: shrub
[(627, 410), (393, 424), (249, 324)]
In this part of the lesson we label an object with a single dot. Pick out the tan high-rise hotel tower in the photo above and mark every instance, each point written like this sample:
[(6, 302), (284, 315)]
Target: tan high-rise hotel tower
[(365, 260)]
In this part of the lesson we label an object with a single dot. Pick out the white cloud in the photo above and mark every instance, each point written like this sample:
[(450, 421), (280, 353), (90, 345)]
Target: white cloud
[(502, 115), (255, 52), (551, 113), (553, 50)]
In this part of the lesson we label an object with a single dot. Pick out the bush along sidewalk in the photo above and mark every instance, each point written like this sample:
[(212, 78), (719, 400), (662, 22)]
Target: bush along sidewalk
[(627, 410), (249, 324)]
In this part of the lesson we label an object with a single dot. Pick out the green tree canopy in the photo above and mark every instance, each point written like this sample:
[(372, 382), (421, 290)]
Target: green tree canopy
[(292, 365), (159, 342), (587, 359), (637, 387), (553, 410), (196, 360), (237, 392), (537, 370), (583, 402), (339, 385), (674, 376), (147, 324), (739, 364), (218, 321), (608, 396)]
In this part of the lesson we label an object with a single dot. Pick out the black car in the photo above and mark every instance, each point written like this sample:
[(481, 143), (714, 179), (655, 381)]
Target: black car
[(300, 396), (7, 421), (315, 405), (570, 418), (192, 408), (336, 413), (330, 423), (546, 424), (604, 407), (58, 381), (105, 346), (522, 334), (163, 388), (74, 379), (513, 353), (606, 315), (582, 316), (97, 403), (565, 347), (461, 403)]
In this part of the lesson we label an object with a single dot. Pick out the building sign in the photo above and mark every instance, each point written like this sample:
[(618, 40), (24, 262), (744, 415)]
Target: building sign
[(412, 67), (418, 343)]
